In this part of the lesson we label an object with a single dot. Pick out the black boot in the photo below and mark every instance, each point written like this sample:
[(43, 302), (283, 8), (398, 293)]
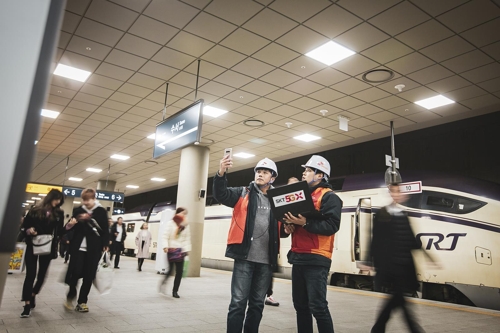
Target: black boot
[(26, 312), (175, 294)]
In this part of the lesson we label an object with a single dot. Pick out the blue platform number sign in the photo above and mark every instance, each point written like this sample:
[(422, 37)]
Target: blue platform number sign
[(72, 191)]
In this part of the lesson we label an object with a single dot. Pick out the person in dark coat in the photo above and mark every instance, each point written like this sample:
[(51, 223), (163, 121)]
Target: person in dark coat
[(47, 218), (392, 244), (118, 235), (90, 237)]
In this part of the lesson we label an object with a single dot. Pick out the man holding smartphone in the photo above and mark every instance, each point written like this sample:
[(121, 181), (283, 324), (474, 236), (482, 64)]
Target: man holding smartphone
[(253, 242)]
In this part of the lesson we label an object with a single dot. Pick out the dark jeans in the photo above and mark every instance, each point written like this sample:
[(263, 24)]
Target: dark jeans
[(249, 284), (309, 297), (85, 267), (179, 267), (397, 300), (31, 262), (117, 250), (269, 291)]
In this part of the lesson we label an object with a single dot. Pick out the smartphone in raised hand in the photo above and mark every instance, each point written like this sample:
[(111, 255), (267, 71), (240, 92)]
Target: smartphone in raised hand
[(228, 151)]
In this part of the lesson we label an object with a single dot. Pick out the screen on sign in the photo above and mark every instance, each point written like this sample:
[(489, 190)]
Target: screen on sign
[(179, 130)]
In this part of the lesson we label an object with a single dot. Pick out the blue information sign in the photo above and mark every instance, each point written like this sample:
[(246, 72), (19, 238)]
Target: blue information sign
[(110, 196), (100, 195), (72, 191), (179, 130)]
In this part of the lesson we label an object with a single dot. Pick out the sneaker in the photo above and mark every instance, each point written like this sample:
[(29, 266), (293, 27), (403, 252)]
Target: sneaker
[(68, 304), (82, 307), (271, 301), (26, 312)]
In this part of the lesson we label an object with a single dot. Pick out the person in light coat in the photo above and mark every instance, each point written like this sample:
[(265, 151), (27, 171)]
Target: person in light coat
[(176, 244), (143, 242)]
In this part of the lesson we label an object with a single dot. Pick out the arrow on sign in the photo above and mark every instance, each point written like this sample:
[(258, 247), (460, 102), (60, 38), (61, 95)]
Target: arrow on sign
[(119, 197), (66, 191)]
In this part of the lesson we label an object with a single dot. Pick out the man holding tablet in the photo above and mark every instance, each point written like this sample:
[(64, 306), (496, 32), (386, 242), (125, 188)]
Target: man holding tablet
[(312, 247), (252, 242)]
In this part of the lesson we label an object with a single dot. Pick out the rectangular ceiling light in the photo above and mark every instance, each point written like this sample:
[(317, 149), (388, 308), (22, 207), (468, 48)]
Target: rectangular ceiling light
[(434, 102), (30, 201), (307, 137), (330, 53), (132, 186), (36, 198), (42, 195), (93, 170), (75, 179), (158, 179), (244, 155), (152, 136), (213, 112), (76, 202), (120, 157), (72, 73), (49, 114)]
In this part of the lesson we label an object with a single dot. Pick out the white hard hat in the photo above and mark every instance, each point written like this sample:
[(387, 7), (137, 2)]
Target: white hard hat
[(319, 163), (266, 163)]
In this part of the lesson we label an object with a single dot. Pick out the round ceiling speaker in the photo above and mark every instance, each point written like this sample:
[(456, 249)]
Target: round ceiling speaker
[(378, 75), (253, 123), (151, 162)]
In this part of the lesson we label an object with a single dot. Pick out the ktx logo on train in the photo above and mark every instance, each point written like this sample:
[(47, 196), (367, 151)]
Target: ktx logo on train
[(440, 238)]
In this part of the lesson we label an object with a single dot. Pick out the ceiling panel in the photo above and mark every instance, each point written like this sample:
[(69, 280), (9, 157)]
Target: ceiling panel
[(209, 27), (98, 32), (172, 12), (333, 21), (244, 41), (269, 24), (111, 14), (399, 18)]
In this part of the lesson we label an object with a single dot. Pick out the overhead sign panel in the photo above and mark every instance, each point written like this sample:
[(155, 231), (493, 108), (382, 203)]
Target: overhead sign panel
[(72, 191), (179, 130), (110, 196), (41, 188), (411, 188)]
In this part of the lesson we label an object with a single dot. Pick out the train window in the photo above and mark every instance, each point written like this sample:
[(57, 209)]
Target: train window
[(450, 203), (130, 227), (439, 201)]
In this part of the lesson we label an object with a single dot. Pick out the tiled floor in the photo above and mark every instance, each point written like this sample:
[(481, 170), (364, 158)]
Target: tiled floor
[(135, 306)]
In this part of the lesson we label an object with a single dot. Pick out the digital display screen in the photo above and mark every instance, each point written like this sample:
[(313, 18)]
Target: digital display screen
[(179, 130)]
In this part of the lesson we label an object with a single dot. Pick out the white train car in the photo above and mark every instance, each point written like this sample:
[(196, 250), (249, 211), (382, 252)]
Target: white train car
[(455, 218)]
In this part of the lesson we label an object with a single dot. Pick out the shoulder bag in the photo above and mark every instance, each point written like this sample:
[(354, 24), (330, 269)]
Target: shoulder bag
[(42, 245)]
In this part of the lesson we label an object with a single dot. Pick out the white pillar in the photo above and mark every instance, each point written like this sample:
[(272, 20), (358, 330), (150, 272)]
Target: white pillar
[(29, 31), (193, 175)]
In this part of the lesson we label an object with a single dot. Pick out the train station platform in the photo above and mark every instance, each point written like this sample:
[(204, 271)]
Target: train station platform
[(134, 305)]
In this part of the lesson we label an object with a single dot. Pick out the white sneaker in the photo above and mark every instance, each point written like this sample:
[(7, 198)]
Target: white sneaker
[(271, 301)]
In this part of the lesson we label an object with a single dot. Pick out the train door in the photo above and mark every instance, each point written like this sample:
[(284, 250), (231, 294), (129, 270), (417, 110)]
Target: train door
[(362, 230)]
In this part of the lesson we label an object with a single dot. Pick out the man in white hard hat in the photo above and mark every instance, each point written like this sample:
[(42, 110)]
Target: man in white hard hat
[(312, 247), (252, 243)]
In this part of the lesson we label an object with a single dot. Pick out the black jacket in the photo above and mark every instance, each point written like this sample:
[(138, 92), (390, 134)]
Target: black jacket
[(392, 243), (112, 236), (83, 229), (43, 225), (229, 196)]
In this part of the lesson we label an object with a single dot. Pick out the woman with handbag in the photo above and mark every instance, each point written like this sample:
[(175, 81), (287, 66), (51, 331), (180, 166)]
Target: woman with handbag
[(43, 226), (143, 242), (176, 244)]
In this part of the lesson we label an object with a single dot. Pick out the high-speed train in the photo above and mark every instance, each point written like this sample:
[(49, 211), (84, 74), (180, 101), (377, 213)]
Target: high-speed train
[(456, 218)]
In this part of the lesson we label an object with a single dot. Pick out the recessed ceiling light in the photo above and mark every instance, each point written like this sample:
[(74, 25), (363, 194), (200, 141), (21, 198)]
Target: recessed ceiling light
[(75, 179), (30, 201), (36, 141), (241, 96), (307, 137), (72, 73), (253, 123), (149, 162), (132, 186), (158, 179), (88, 48), (120, 157), (59, 91), (434, 102), (93, 170), (330, 53), (152, 136), (213, 112), (76, 202), (36, 198), (244, 155), (303, 67), (49, 113)]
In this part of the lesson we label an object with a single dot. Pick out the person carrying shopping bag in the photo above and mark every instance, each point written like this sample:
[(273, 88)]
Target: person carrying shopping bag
[(177, 244)]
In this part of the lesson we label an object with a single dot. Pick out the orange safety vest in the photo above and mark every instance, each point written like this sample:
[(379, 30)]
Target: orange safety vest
[(306, 242), (239, 220)]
